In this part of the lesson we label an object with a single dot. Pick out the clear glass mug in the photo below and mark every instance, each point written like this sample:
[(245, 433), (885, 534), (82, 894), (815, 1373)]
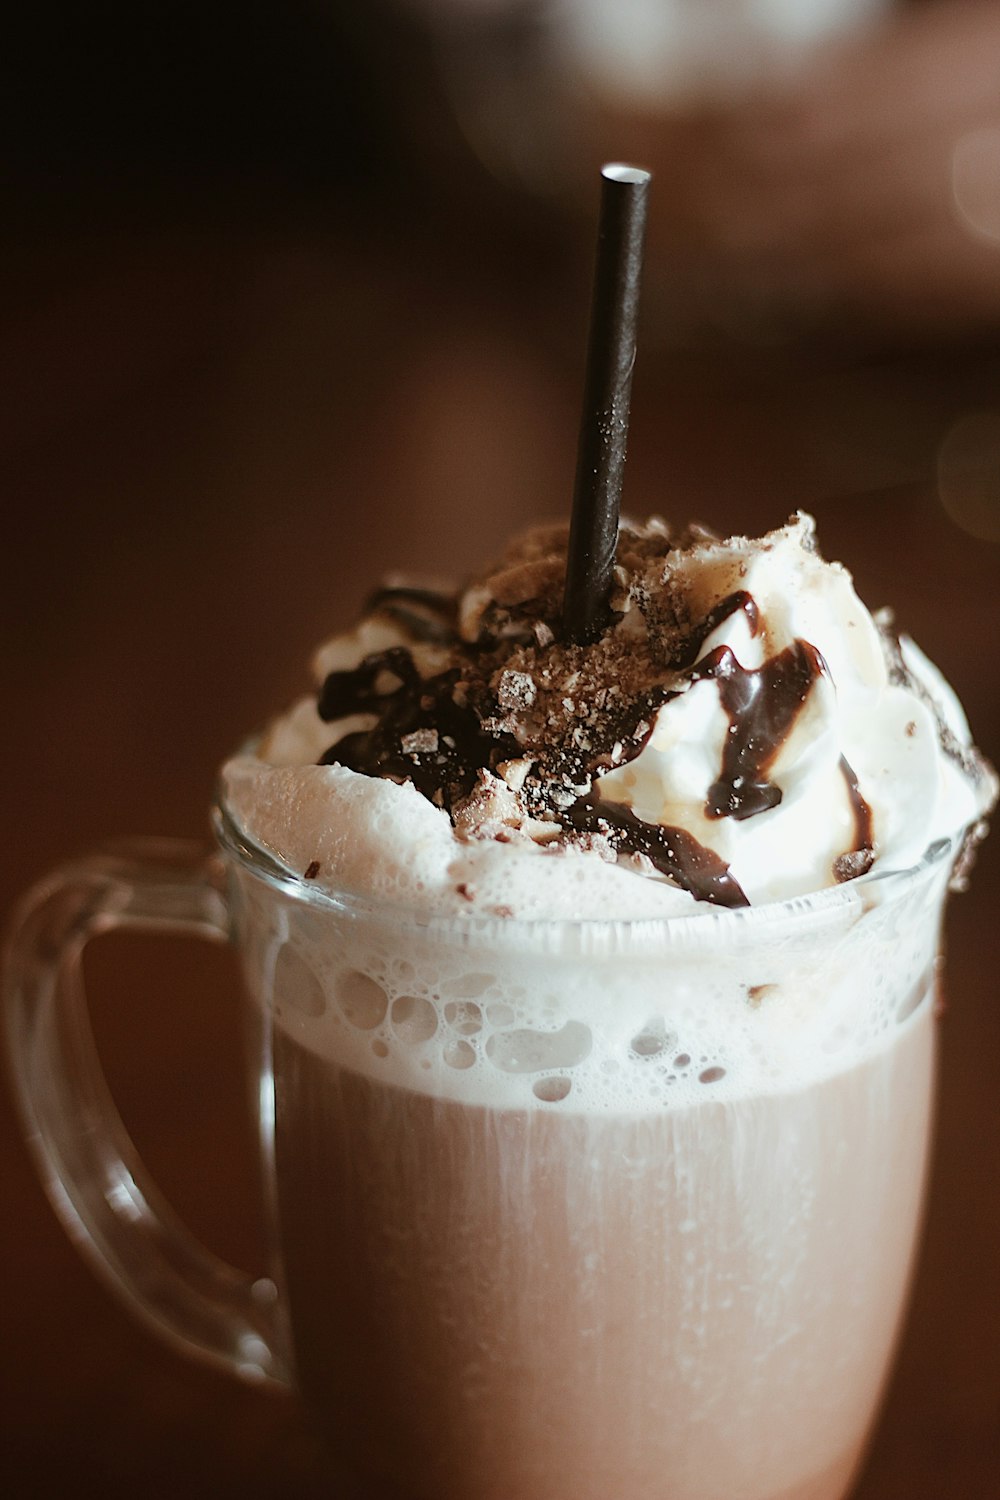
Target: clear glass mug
[(560, 1210)]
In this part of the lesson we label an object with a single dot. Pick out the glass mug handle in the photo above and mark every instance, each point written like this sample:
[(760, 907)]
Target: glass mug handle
[(91, 1170)]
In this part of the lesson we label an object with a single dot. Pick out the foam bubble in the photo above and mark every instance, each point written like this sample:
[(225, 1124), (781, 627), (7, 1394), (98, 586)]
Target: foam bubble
[(459, 1055), (653, 1039), (527, 1051), (463, 1016), (362, 1001), (414, 1019), (552, 1090)]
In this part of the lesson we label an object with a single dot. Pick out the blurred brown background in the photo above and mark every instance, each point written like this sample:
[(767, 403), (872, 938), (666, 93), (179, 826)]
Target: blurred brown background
[(270, 328)]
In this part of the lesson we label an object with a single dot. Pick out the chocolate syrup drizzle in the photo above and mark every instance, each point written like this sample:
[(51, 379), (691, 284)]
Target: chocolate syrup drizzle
[(859, 859), (673, 851), (731, 605), (762, 705), (461, 745), (425, 614), (439, 732)]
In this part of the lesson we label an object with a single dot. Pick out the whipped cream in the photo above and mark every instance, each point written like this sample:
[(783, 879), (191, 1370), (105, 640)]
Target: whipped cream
[(743, 732)]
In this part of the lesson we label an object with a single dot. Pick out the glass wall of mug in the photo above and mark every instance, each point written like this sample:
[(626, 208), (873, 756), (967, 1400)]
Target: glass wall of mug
[(580, 1209)]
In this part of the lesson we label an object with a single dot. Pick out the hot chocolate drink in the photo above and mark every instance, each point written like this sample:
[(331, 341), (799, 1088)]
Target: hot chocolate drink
[(598, 994)]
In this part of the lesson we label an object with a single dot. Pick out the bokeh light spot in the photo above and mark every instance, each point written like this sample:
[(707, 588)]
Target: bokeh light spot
[(975, 181)]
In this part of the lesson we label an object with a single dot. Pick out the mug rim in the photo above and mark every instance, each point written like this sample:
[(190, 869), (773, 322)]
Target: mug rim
[(700, 923)]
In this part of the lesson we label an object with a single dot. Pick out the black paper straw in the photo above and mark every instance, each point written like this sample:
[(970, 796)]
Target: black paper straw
[(600, 461)]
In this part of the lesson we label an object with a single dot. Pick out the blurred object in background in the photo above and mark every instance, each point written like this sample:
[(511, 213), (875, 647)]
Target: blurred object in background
[(822, 166), (826, 169), (655, 53)]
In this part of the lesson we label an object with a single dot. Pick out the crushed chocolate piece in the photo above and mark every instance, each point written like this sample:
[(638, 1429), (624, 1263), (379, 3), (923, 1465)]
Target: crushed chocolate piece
[(514, 772), (849, 866), (420, 742), (516, 690), (601, 845), (489, 809)]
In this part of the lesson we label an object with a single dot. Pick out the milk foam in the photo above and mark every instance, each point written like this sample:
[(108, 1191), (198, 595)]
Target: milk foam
[(599, 1017), (371, 836)]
